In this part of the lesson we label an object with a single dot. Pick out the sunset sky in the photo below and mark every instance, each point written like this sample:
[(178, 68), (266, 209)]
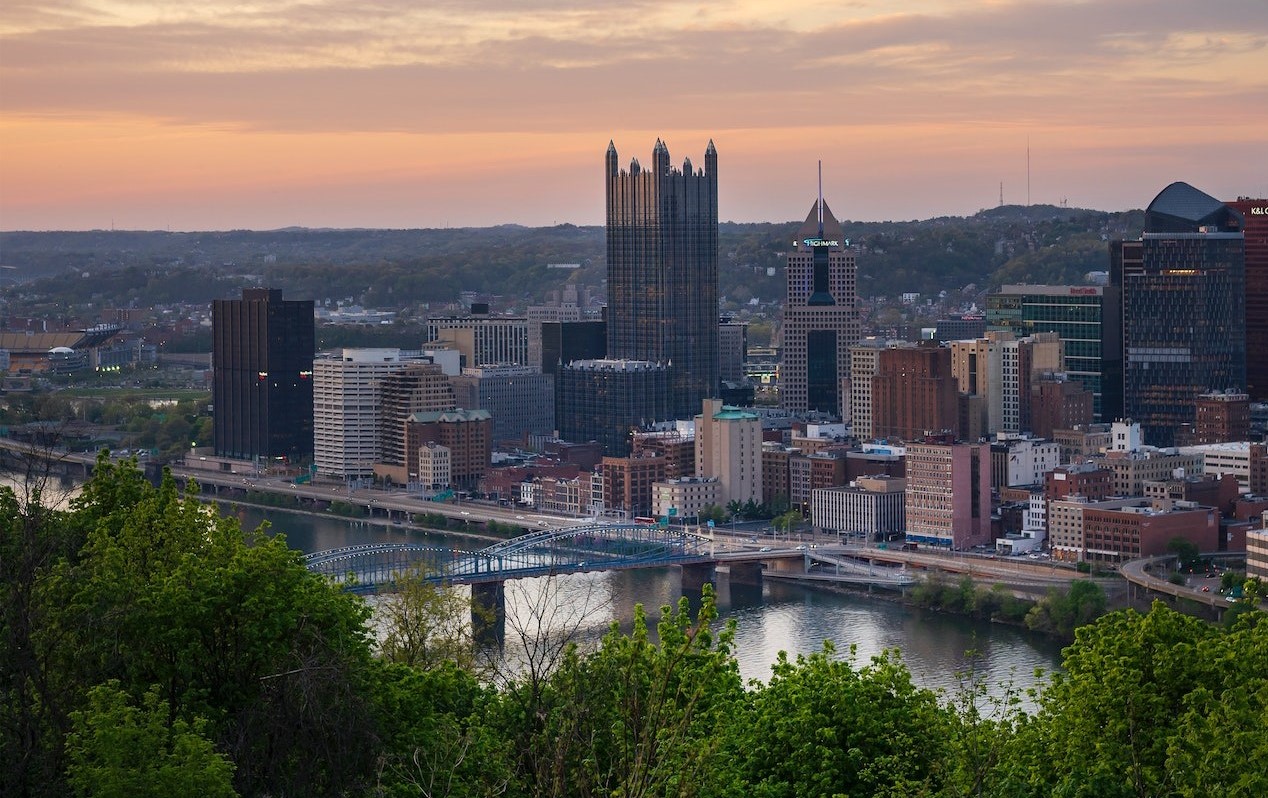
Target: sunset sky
[(226, 114)]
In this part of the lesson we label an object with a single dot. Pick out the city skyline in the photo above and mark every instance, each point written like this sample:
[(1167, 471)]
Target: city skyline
[(147, 116)]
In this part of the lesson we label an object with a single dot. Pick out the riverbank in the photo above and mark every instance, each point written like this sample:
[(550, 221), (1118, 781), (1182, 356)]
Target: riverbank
[(368, 521)]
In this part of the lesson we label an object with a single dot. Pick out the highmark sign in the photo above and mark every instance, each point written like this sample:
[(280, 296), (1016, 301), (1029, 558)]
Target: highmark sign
[(823, 242)]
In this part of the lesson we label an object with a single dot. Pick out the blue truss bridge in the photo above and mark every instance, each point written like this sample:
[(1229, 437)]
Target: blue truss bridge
[(589, 547)]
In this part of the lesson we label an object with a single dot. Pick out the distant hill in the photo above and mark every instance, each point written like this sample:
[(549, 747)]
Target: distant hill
[(386, 268)]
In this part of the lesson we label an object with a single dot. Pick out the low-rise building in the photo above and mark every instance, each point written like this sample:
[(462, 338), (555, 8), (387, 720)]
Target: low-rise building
[(1243, 459), (1257, 551), (871, 508), (468, 434), (1117, 530), (683, 499)]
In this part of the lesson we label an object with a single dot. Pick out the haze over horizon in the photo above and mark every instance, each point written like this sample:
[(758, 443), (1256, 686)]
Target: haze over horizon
[(146, 116)]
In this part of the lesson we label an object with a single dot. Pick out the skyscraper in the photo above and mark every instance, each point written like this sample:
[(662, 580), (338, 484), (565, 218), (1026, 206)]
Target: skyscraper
[(262, 386), (662, 252), (1254, 221), (1184, 309), (821, 319), (1088, 320)]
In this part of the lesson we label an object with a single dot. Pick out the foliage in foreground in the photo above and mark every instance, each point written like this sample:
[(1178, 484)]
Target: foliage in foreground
[(150, 647)]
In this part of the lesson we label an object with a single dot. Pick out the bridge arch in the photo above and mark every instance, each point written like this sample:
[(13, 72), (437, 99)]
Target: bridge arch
[(586, 547)]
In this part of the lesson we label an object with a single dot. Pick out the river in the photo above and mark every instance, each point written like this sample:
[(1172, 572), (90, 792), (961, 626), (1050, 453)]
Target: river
[(936, 648)]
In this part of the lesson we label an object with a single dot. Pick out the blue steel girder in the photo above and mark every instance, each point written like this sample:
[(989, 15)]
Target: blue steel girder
[(589, 547)]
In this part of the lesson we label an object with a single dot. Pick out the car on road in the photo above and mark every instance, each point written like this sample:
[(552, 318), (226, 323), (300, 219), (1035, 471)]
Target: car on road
[(764, 548)]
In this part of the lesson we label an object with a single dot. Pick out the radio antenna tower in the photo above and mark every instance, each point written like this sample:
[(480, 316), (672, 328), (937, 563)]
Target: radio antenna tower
[(1028, 171), (1001, 193), (820, 199)]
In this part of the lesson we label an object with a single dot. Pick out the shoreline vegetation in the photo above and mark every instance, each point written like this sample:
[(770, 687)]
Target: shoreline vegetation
[(152, 648)]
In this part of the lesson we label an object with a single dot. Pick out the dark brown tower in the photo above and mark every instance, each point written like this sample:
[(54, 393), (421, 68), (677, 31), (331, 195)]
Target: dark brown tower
[(662, 249), (262, 385)]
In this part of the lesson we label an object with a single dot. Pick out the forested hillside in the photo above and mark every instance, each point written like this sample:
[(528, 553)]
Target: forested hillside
[(403, 268)]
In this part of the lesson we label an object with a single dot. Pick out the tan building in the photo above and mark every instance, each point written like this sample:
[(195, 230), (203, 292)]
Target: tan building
[(435, 466), (821, 319), (1117, 530), (684, 499), (1025, 362), (1134, 468), (348, 421), (1082, 442), (729, 447), (1002, 368), (1245, 460), (482, 339), (978, 369), (1257, 551), (864, 360)]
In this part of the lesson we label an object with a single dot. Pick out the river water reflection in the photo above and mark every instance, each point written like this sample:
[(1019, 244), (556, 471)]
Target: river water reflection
[(775, 617)]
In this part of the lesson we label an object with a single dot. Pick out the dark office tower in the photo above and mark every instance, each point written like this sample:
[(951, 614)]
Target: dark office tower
[(565, 341), (821, 319), (604, 400), (662, 236), (1184, 310), (262, 384), (1254, 214)]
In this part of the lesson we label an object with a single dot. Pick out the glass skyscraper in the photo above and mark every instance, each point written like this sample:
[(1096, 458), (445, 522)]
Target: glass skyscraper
[(1086, 317), (1184, 309), (662, 252)]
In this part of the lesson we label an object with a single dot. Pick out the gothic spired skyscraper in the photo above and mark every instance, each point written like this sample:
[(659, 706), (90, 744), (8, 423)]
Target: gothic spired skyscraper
[(821, 320), (662, 236)]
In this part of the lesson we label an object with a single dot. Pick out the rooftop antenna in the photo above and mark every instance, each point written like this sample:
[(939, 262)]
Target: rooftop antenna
[(820, 199)]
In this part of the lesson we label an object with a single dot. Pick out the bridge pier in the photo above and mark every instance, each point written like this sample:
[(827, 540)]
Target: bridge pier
[(488, 612), (696, 576)]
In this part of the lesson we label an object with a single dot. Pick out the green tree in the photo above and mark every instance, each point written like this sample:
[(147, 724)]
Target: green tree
[(822, 727), (713, 513), (1186, 552), (425, 625), (1109, 718), (118, 750), (228, 627), (436, 734), (635, 718), (1061, 613)]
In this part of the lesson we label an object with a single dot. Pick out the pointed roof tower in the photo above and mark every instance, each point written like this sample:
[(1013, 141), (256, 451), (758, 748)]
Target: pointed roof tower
[(825, 228), (610, 158)]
